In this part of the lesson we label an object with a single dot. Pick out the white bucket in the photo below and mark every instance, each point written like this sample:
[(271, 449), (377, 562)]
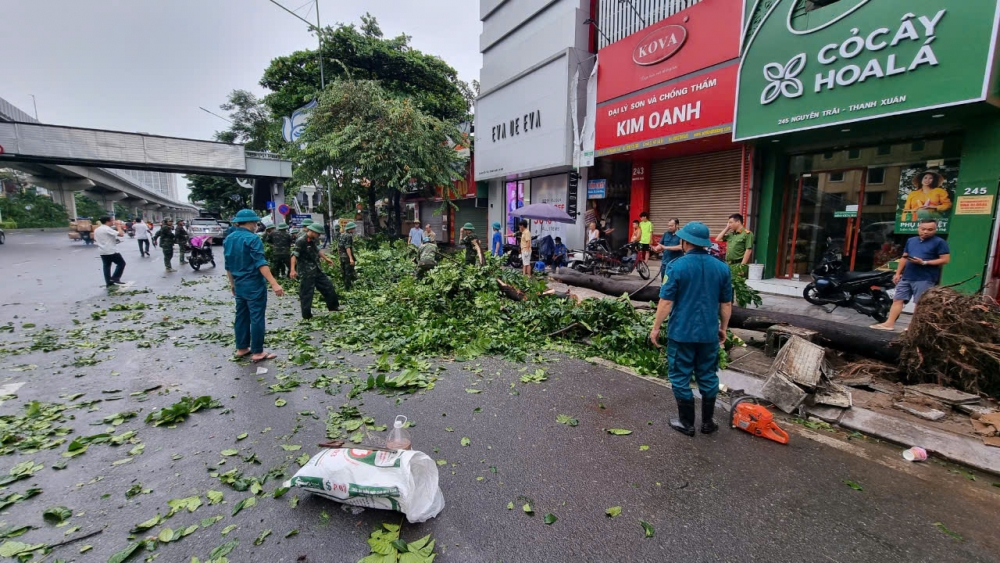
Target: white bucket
[(756, 272)]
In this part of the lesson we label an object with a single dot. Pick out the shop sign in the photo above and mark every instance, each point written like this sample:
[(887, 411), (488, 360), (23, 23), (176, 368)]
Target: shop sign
[(925, 194), (514, 127), (839, 64), (572, 197), (974, 205), (702, 36), (597, 189), (697, 107)]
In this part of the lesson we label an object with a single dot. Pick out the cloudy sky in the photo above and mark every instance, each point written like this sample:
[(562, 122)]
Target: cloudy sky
[(146, 65)]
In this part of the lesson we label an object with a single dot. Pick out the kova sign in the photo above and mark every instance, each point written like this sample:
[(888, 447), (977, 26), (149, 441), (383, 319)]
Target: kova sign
[(670, 82), (860, 59)]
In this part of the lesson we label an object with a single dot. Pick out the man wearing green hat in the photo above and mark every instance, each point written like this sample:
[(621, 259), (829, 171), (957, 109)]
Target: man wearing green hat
[(345, 247), (473, 252), (305, 267), (697, 295), (165, 236), (281, 250), (249, 276)]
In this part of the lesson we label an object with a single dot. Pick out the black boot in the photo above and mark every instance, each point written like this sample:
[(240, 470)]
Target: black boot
[(707, 412), (685, 421)]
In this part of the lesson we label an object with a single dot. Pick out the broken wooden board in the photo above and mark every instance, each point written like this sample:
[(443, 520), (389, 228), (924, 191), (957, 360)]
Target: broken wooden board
[(944, 394), (833, 394), (975, 409), (800, 361), (863, 380), (781, 391), (922, 411), (779, 335)]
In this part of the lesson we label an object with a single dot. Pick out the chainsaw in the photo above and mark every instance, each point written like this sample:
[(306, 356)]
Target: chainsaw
[(750, 416)]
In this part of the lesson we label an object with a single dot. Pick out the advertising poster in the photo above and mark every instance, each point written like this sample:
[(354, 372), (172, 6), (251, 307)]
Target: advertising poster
[(925, 193)]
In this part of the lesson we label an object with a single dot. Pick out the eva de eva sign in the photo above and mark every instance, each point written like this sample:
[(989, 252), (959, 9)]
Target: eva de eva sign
[(704, 35)]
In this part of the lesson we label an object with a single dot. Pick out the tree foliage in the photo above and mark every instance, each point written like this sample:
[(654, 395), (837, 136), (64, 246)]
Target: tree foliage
[(218, 194), (86, 207), (252, 123), (43, 211), (379, 143)]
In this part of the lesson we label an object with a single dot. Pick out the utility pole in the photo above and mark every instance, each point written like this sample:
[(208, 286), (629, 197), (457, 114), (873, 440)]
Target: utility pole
[(35, 103)]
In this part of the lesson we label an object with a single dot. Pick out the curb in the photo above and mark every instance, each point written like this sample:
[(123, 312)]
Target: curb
[(947, 445)]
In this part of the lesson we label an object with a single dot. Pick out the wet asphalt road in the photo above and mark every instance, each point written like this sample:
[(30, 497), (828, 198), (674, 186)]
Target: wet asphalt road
[(727, 497)]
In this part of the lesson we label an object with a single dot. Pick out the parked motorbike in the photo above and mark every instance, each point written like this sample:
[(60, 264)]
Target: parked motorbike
[(587, 263), (201, 252), (621, 262), (869, 293), (130, 232), (513, 252)]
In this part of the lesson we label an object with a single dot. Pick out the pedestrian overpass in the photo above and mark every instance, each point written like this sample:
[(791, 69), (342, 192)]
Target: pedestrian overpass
[(65, 160)]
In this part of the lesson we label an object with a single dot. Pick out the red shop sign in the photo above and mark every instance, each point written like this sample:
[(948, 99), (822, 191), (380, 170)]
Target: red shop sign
[(704, 35), (697, 107)]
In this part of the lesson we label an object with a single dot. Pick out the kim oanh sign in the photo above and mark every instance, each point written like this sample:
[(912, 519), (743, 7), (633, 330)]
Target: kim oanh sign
[(861, 59)]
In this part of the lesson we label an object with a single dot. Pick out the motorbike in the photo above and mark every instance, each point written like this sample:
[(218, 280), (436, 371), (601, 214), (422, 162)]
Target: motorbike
[(201, 252), (869, 293), (621, 262), (588, 263), (513, 252), (130, 232)]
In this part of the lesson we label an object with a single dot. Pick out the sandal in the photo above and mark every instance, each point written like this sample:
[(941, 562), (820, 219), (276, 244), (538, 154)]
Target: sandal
[(266, 356), (243, 355), (882, 328)]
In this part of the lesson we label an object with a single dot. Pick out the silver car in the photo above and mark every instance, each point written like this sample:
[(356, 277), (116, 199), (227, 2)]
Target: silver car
[(207, 226)]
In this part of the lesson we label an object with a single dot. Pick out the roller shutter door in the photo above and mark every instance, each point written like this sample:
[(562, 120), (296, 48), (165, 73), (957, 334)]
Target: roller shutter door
[(468, 213), (703, 187)]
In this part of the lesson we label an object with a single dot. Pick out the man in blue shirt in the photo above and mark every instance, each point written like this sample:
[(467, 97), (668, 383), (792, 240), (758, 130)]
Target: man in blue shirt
[(416, 234), (247, 271), (670, 245), (697, 295), (559, 255), (496, 245), (919, 269)]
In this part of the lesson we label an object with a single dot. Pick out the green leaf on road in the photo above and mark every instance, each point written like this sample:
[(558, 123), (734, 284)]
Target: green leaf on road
[(619, 431), (280, 403), (527, 508), (510, 505), (647, 528), (227, 529), (166, 535), (279, 492), (214, 497), (442, 462), (15, 548), (56, 515), (86, 548), (206, 522), (853, 485), (124, 554), (263, 536), (245, 503), (178, 504), (223, 550), (643, 448), (291, 447), (151, 523), (229, 452), (613, 511), (474, 391), (242, 436), (945, 529), (466, 441), (566, 419), (449, 429), (303, 459), (292, 533), (550, 518)]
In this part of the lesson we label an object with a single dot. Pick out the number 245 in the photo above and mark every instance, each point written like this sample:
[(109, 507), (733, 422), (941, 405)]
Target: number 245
[(975, 191)]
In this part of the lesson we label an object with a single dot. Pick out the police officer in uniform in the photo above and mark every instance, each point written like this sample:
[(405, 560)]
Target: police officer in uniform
[(165, 236), (281, 251), (697, 295), (345, 247), (181, 234), (305, 267)]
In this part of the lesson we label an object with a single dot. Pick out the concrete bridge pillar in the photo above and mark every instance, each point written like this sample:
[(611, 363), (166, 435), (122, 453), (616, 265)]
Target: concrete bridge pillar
[(63, 190)]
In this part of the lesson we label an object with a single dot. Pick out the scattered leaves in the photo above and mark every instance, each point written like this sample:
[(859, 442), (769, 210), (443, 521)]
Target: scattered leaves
[(619, 431), (566, 419), (550, 518), (647, 528), (853, 485), (614, 511)]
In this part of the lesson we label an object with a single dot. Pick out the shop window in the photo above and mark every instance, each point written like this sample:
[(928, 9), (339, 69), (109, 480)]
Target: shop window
[(884, 150), (917, 146), (828, 155), (853, 154), (874, 198), (876, 175), (836, 176)]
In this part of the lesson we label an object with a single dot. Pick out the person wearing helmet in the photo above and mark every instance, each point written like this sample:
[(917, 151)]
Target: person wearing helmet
[(426, 256), (181, 234), (473, 252), (697, 295), (165, 238), (345, 247), (281, 251), (305, 268)]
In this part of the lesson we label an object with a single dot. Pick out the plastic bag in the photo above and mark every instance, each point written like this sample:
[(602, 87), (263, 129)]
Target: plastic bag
[(404, 481)]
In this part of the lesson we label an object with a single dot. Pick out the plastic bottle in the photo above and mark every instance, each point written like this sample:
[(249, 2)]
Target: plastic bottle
[(399, 437)]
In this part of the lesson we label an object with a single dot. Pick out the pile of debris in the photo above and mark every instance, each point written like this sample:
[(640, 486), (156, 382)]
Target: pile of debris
[(800, 375)]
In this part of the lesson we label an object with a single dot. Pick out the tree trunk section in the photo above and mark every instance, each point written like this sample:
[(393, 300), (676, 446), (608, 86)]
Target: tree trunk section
[(864, 341)]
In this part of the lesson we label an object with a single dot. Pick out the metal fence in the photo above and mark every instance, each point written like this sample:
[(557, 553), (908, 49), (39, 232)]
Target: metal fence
[(620, 18)]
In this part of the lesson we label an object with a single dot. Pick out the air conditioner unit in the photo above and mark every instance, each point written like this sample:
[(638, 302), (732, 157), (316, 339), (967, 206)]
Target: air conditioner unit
[(482, 203)]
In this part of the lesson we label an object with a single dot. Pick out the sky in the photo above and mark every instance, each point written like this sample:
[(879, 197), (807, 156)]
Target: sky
[(147, 65)]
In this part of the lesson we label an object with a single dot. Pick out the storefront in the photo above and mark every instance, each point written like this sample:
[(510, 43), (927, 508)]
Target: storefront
[(664, 122), (865, 121)]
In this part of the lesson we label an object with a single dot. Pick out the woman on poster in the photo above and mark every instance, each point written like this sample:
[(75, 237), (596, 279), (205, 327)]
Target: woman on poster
[(928, 200)]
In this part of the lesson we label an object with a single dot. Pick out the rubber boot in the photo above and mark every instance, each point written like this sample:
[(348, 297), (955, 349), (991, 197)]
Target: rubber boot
[(685, 421), (707, 412)]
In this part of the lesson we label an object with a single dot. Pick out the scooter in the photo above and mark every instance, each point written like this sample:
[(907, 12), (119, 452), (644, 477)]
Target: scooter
[(588, 259), (869, 293), (622, 262), (201, 252)]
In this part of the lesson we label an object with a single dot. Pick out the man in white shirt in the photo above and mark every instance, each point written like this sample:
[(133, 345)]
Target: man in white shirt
[(416, 234), (106, 237), (142, 235)]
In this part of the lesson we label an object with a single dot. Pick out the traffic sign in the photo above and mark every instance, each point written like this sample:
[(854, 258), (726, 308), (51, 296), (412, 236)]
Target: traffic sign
[(270, 205), (283, 209)]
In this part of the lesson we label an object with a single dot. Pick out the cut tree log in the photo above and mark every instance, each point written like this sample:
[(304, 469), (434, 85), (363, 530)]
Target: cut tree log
[(875, 344)]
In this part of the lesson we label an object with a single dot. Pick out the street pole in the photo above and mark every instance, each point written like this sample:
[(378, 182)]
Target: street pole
[(322, 81), (35, 103)]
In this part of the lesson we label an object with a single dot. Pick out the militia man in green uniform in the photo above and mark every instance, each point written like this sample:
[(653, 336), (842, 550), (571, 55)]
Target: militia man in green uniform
[(739, 244), (473, 250), (281, 251), (426, 256), (345, 247), (305, 229), (181, 234), (165, 237), (305, 267)]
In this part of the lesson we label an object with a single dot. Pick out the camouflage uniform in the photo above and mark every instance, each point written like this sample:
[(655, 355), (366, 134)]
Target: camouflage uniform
[(471, 256), (281, 252), (426, 258), (345, 241), (166, 239), (311, 277), (181, 235)]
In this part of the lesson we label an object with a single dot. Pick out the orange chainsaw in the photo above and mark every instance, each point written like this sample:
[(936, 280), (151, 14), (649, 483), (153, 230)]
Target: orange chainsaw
[(755, 419)]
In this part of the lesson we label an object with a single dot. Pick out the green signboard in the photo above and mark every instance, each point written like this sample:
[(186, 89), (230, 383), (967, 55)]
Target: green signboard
[(805, 66)]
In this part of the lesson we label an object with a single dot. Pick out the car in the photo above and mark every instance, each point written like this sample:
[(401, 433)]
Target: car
[(207, 226), (3, 236)]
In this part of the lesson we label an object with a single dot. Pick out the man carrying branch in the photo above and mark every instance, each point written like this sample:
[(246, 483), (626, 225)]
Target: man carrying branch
[(697, 295)]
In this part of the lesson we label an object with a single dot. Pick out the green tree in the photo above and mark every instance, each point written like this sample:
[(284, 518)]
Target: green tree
[(31, 211), (252, 123), (86, 207), (218, 194), (379, 143)]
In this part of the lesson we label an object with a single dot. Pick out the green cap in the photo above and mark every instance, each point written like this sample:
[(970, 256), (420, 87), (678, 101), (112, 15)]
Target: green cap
[(350, 226), (315, 228), (282, 227), (307, 222), (245, 216), (469, 227)]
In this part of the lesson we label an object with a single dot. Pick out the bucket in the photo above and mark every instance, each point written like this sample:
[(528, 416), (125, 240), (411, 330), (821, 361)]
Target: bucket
[(756, 272)]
